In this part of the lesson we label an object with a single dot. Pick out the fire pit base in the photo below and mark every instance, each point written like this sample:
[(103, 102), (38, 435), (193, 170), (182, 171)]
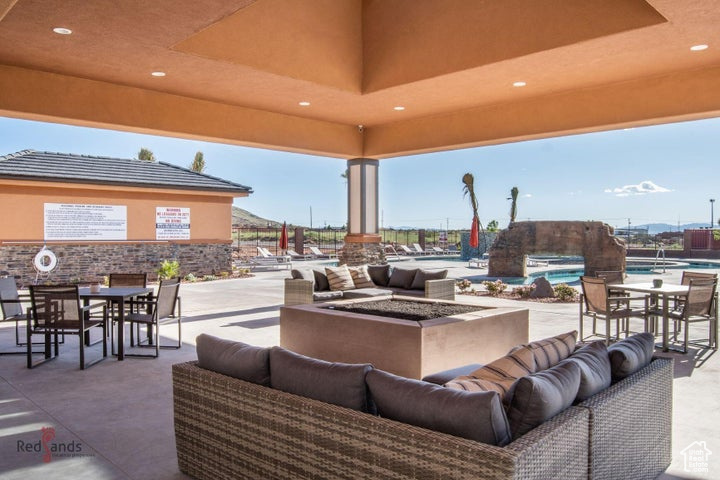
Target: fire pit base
[(409, 348)]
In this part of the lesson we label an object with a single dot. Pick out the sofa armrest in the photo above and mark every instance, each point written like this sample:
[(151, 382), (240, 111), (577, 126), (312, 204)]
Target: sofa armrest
[(229, 428), (631, 424), (298, 291), (440, 289)]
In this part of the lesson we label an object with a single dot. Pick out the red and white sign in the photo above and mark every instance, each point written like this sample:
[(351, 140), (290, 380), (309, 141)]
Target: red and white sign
[(172, 223)]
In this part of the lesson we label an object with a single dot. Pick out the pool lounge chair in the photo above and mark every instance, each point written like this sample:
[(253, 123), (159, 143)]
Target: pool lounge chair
[(297, 256), (320, 254), (405, 250), (419, 249), (439, 251), (477, 263)]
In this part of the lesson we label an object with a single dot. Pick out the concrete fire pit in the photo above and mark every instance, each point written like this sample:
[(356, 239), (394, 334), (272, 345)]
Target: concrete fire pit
[(405, 347)]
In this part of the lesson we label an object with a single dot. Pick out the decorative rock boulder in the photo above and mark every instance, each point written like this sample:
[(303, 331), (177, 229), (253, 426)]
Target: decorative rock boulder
[(593, 240), (543, 289)]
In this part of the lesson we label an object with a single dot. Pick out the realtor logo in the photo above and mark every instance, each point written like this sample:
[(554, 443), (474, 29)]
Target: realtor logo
[(696, 457)]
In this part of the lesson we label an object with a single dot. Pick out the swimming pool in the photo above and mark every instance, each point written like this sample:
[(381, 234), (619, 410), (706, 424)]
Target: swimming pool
[(572, 275)]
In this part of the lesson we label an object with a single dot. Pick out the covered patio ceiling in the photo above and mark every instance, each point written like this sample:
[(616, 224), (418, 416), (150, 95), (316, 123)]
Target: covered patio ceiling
[(236, 71)]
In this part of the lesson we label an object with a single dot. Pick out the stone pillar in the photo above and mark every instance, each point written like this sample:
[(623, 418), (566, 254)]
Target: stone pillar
[(362, 242), (421, 238), (300, 240)]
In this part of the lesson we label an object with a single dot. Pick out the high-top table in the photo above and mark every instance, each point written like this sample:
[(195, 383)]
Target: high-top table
[(665, 291), (118, 295)]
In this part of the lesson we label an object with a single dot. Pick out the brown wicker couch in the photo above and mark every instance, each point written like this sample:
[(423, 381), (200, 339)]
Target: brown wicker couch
[(227, 428)]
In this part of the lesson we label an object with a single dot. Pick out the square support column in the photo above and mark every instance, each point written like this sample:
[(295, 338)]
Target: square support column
[(362, 242)]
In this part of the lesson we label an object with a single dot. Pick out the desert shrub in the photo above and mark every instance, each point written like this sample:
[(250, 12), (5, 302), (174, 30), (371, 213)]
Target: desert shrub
[(190, 278), (565, 293), (224, 274), (524, 291), (495, 288), (209, 278), (463, 285), (168, 269)]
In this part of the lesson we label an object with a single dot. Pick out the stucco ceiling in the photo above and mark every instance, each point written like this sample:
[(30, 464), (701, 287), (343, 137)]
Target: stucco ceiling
[(236, 70)]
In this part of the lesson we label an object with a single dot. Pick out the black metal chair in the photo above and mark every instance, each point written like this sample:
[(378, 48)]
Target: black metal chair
[(162, 307), (11, 305), (56, 310)]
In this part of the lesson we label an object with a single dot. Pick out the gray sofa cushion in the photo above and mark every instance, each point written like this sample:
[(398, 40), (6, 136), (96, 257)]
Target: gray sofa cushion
[(304, 274), (366, 292), (402, 277), (441, 378), (630, 355), (379, 274), (328, 295), (475, 415), (540, 396), (594, 364), (409, 293), (421, 276), (341, 384), (234, 359), (321, 281)]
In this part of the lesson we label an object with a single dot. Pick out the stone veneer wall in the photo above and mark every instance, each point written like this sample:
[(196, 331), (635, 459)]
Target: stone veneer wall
[(593, 240), (89, 263), (361, 254)]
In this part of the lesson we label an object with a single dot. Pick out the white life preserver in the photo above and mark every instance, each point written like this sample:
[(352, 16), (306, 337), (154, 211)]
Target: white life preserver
[(45, 261)]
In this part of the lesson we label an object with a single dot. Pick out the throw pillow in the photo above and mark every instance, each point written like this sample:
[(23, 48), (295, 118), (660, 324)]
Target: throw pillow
[(339, 278), (550, 351), (361, 277), (475, 415), (379, 274), (630, 355), (304, 274), (498, 375), (234, 359), (402, 278), (321, 281), (341, 384), (540, 396), (594, 366), (421, 276)]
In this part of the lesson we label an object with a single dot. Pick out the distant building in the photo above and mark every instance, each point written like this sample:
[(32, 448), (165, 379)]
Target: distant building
[(100, 215)]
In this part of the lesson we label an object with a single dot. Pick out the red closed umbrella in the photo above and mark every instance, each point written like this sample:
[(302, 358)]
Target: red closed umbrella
[(474, 237), (284, 237)]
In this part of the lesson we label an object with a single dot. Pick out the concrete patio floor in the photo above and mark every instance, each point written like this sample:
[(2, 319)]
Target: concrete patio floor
[(114, 420)]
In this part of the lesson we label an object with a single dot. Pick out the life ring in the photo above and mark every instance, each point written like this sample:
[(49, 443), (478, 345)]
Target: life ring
[(45, 261)]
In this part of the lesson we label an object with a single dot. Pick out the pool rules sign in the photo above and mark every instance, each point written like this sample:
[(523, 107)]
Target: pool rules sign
[(172, 223)]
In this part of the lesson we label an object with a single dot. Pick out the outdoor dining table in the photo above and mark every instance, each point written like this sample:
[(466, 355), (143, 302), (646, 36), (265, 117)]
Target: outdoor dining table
[(118, 295), (665, 291)]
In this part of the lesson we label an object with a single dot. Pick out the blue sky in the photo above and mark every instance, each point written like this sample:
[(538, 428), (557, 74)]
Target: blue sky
[(659, 174)]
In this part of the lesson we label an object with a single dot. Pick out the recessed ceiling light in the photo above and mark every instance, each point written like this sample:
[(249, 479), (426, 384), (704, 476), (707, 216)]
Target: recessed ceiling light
[(62, 31), (519, 84), (697, 48), (158, 74), (399, 108), (304, 104)]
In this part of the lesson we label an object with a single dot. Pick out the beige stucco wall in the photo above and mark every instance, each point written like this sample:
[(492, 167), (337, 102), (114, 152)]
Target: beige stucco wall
[(22, 206)]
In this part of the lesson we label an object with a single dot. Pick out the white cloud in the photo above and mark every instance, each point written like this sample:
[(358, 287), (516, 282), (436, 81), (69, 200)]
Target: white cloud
[(642, 188), (527, 195)]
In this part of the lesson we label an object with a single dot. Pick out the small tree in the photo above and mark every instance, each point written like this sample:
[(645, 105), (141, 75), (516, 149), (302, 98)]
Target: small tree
[(146, 154), (198, 163), (492, 226), (513, 207)]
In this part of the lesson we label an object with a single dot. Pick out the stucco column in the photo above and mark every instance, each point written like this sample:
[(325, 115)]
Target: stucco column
[(362, 242)]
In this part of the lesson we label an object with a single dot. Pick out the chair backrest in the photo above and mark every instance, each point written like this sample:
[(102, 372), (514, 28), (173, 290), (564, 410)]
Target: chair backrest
[(167, 297), (405, 249), (611, 276), (687, 276), (55, 305), (264, 252), (418, 248), (128, 280), (9, 291), (700, 297), (595, 294), (316, 251)]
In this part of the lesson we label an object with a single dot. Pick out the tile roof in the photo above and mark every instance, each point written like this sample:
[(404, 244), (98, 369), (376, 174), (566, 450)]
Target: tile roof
[(66, 167)]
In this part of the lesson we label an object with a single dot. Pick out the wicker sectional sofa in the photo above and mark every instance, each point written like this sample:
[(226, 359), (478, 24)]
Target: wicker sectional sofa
[(311, 286), (228, 428)]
